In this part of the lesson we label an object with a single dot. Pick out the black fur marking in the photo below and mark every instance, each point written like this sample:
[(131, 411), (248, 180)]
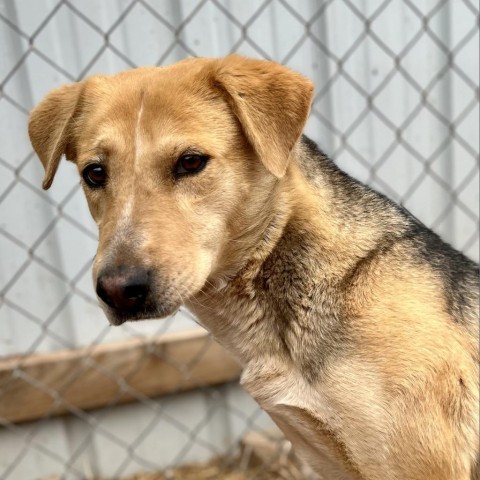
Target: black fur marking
[(295, 297), (459, 274), (385, 245)]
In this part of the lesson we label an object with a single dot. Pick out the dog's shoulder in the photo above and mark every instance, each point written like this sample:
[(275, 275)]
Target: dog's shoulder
[(395, 229)]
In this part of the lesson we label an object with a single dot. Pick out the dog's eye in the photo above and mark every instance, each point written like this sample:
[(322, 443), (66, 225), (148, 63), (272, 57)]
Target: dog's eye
[(190, 163), (95, 175)]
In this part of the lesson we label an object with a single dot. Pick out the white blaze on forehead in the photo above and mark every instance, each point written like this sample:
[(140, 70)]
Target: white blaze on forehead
[(138, 134), (127, 211)]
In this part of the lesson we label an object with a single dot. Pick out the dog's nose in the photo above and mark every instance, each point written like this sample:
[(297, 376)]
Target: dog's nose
[(124, 289)]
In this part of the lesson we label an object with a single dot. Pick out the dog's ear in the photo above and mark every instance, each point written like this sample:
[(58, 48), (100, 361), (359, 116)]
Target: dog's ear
[(271, 102), (50, 127)]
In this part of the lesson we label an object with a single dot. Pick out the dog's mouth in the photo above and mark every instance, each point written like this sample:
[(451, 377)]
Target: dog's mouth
[(118, 317)]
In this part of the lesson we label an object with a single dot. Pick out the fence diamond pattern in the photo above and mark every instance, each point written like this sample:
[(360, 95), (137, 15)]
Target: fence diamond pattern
[(396, 104)]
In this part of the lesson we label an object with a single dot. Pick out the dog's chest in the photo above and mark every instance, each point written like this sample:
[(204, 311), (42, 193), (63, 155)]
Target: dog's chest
[(275, 382), (283, 327), (270, 321), (307, 416)]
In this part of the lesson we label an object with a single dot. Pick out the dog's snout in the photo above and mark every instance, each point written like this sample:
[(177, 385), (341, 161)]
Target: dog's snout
[(124, 289)]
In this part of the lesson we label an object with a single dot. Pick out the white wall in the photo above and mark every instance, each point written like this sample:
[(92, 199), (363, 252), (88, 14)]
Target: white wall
[(367, 113)]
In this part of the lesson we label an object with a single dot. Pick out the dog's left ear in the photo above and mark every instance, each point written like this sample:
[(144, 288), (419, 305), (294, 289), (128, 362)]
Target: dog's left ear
[(271, 102), (50, 127)]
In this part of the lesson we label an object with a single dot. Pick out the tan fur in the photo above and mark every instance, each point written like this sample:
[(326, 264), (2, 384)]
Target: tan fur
[(317, 285)]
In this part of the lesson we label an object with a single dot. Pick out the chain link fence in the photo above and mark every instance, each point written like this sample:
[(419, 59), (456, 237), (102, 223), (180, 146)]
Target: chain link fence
[(397, 106)]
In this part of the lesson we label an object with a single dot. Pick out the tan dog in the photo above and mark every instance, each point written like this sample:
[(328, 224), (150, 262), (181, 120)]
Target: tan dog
[(357, 326)]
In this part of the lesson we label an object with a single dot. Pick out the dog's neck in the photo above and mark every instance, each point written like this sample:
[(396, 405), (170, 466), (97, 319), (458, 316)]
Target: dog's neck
[(270, 307)]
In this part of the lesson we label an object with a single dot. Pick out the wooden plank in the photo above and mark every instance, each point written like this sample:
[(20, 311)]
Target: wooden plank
[(60, 382)]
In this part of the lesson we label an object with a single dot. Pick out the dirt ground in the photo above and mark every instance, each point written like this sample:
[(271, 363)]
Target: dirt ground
[(262, 456), (215, 470)]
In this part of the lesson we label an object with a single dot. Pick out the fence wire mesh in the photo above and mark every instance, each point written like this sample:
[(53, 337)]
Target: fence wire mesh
[(396, 104)]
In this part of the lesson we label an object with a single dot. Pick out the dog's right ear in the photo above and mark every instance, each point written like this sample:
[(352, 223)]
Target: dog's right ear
[(50, 127)]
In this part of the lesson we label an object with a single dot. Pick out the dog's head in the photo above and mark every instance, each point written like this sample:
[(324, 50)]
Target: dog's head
[(178, 164)]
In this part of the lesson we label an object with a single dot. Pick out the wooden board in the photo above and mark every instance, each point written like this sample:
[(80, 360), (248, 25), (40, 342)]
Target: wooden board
[(69, 381)]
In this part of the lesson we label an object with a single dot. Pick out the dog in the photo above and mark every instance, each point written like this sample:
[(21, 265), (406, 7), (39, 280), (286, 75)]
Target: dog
[(357, 327)]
